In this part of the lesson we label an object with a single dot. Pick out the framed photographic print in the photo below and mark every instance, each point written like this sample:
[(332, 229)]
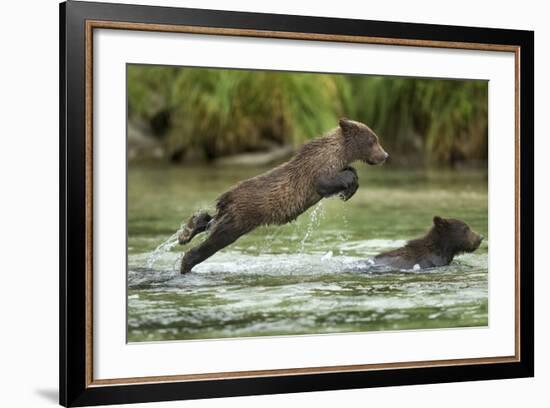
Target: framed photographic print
[(256, 203)]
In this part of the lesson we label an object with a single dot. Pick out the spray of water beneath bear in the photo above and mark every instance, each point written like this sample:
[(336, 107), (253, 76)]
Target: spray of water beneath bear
[(315, 218)]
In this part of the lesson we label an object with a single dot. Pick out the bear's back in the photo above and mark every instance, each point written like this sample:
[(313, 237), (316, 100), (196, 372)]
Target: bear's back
[(283, 193)]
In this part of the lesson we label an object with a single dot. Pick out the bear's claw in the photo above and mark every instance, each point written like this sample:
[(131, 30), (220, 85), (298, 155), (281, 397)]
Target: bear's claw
[(185, 236), (197, 223), (184, 268)]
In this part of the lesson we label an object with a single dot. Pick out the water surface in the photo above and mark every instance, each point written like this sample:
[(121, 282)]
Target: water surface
[(301, 278)]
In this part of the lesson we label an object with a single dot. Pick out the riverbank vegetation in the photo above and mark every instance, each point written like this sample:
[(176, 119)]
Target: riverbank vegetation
[(182, 114)]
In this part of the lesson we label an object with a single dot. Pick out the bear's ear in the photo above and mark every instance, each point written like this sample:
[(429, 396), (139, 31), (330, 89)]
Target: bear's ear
[(439, 222), (346, 124)]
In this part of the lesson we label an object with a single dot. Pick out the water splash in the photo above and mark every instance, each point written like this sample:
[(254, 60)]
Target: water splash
[(163, 248), (266, 246), (342, 235), (177, 262), (300, 294), (315, 218), (327, 256)]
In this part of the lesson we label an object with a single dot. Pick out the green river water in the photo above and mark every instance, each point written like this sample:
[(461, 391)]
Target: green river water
[(295, 279)]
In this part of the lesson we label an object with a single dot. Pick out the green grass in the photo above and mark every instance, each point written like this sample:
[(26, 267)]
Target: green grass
[(208, 113)]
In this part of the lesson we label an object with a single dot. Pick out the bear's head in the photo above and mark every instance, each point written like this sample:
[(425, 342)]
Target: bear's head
[(362, 143), (456, 235)]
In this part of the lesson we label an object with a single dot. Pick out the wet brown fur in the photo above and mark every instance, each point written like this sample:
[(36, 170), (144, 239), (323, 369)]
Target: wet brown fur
[(447, 238), (283, 193)]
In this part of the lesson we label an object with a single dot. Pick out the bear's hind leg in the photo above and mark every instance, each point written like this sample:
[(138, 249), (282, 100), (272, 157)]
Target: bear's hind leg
[(220, 237), (197, 223)]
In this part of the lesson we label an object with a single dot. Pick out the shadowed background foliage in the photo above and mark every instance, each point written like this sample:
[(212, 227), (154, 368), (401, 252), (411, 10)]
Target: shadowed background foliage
[(181, 114)]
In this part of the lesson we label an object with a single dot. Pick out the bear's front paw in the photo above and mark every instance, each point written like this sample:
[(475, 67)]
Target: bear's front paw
[(351, 183), (350, 168), (349, 191)]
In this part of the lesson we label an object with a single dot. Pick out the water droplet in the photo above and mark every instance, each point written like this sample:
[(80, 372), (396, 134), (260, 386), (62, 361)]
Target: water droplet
[(327, 256), (314, 220), (163, 248)]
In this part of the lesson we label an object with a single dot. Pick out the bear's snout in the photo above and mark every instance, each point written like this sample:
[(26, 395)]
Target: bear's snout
[(480, 239), (380, 157), (477, 241), (385, 156)]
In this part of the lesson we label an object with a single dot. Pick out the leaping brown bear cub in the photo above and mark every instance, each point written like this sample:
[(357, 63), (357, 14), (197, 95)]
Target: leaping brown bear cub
[(447, 238), (321, 168)]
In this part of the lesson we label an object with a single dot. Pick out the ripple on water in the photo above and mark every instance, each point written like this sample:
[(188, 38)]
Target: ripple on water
[(239, 294)]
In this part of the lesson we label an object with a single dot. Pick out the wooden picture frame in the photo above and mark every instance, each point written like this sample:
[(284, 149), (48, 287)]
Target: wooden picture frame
[(78, 20)]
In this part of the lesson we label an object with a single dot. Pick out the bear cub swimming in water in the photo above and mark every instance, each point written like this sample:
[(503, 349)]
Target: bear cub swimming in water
[(321, 168), (446, 239)]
